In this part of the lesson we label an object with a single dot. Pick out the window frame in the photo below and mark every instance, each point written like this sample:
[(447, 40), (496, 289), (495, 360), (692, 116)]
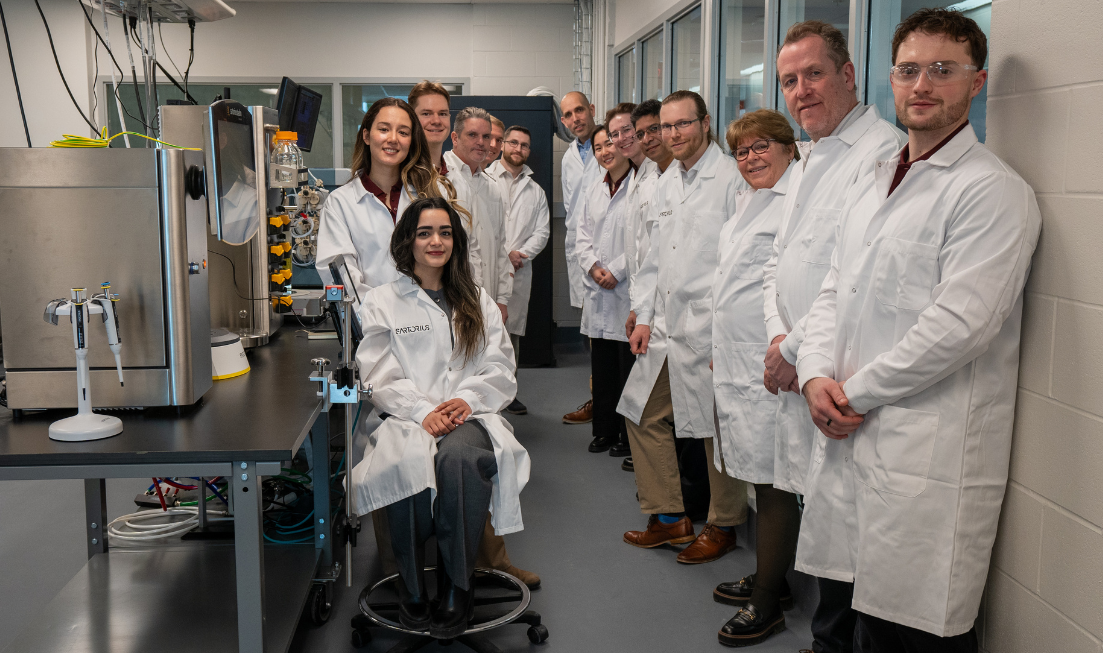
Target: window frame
[(334, 82)]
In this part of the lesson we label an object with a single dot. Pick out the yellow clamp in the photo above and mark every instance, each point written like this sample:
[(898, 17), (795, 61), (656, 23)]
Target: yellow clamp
[(280, 248)]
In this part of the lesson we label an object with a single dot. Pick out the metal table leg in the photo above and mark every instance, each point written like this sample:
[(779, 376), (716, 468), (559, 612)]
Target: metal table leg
[(323, 532), (249, 557), (201, 507), (95, 514)]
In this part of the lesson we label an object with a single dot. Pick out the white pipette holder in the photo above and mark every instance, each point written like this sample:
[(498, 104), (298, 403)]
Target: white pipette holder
[(87, 425)]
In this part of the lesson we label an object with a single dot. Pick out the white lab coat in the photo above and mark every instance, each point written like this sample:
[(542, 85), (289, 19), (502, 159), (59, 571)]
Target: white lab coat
[(642, 215), (637, 243), (601, 241), (577, 179), (358, 227), (408, 358), (679, 269), (920, 315), (527, 229), (745, 410), (801, 255), (476, 193)]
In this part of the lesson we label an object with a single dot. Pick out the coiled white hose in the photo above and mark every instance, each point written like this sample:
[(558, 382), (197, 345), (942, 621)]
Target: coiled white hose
[(130, 528)]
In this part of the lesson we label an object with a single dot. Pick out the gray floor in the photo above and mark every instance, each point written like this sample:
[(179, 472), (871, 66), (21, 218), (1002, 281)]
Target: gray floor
[(599, 594)]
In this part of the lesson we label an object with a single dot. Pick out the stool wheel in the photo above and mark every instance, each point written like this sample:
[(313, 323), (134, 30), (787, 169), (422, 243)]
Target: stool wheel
[(361, 638), (538, 634)]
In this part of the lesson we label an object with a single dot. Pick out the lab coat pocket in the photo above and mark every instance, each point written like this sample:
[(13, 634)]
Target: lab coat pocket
[(739, 367), (750, 260), (706, 229), (817, 246), (893, 450), (697, 324), (905, 273)]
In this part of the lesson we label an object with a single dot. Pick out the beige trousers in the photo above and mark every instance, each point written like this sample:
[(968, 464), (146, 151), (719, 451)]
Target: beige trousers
[(655, 460)]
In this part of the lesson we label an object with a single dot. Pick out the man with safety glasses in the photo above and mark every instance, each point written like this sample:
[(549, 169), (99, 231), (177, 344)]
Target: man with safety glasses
[(910, 358), (674, 286), (637, 242)]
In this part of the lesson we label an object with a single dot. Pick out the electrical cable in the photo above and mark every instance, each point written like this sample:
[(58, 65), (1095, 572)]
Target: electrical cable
[(133, 74), (234, 268), (168, 54), (69, 140), (191, 52), (57, 62), (15, 78)]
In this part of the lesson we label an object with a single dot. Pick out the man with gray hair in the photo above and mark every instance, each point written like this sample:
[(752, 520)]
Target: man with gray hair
[(476, 192), (816, 77)]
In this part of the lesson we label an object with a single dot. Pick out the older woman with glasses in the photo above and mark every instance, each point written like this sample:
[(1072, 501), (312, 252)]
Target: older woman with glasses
[(764, 147)]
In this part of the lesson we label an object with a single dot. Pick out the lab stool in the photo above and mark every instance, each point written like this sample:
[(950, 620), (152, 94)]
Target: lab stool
[(492, 588)]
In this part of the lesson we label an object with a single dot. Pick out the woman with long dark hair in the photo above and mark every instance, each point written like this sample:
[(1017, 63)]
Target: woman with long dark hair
[(440, 363), (391, 167)]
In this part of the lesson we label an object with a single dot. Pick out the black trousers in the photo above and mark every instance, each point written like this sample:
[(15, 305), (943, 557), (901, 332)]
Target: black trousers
[(465, 467), (610, 363), (879, 636), (834, 620)]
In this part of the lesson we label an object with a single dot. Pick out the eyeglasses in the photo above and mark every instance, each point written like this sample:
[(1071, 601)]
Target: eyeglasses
[(940, 73), (758, 147), (652, 131), (622, 133), (680, 126), (518, 144)]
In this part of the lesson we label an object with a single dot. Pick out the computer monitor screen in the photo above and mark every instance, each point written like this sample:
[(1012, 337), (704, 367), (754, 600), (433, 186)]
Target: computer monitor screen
[(299, 107)]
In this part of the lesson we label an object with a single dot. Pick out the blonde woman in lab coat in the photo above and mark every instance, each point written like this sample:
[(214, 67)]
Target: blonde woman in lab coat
[(441, 365), (746, 405)]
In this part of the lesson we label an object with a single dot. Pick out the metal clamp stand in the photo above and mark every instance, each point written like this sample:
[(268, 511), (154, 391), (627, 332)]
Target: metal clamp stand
[(340, 387)]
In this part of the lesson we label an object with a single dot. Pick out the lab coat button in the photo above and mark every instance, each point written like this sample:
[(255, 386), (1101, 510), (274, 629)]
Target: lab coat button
[(869, 243), (853, 290)]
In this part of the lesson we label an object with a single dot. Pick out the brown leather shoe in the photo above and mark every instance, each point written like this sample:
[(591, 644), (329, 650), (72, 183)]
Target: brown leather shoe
[(658, 533), (584, 414), (527, 577), (710, 545)]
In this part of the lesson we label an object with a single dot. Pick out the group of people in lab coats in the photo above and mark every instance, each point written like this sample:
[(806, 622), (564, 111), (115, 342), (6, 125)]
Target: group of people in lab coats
[(438, 247), (837, 320)]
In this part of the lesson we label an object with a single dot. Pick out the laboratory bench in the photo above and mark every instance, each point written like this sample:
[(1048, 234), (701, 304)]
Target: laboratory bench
[(192, 594)]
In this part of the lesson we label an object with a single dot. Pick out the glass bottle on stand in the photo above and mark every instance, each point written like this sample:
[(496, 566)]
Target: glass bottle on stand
[(287, 160)]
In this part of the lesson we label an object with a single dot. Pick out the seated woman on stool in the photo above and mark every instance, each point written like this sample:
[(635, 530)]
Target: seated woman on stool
[(440, 363)]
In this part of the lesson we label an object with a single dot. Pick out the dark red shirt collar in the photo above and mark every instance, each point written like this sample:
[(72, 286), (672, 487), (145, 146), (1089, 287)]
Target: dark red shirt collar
[(443, 171), (396, 191), (904, 165), (614, 185)]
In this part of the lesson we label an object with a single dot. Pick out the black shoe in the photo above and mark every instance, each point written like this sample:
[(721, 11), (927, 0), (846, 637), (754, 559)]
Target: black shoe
[(413, 611), (739, 592), (456, 608), (621, 448), (627, 466), (413, 607), (748, 627), (517, 408), (602, 444)]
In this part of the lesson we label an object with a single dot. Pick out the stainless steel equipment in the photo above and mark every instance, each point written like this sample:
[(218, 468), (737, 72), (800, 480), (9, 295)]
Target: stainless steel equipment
[(241, 275), (118, 215)]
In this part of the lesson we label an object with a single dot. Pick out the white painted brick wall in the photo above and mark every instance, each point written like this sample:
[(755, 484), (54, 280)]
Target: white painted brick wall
[(1045, 590)]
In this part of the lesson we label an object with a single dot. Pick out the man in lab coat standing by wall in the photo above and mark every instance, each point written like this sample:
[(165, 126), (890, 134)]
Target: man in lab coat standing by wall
[(817, 79), (527, 229), (694, 199), (579, 171), (910, 359)]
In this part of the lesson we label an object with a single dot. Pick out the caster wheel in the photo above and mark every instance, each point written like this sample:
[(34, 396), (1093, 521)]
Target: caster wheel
[(538, 634), (360, 638), (318, 604)]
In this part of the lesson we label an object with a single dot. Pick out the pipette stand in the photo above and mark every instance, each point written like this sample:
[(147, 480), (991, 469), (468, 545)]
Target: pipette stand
[(85, 425)]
